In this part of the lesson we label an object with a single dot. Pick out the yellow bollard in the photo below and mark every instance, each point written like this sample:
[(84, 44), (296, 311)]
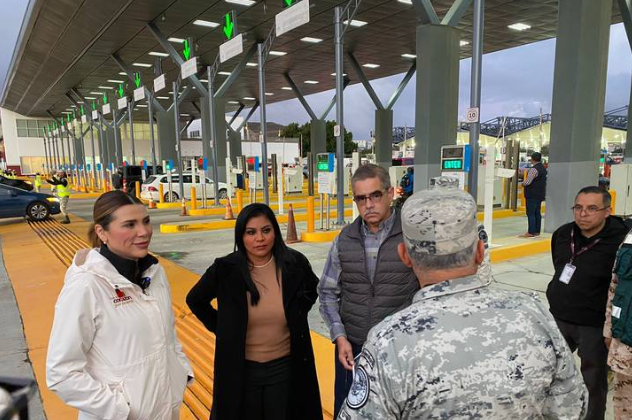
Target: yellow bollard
[(137, 185), (311, 218), (161, 193), (613, 201), (193, 198), (240, 200)]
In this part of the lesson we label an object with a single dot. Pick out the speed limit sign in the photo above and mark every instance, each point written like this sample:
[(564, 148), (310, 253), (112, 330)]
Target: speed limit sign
[(472, 115)]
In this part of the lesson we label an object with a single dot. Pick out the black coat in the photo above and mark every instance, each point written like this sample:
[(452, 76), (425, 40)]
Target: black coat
[(225, 281)]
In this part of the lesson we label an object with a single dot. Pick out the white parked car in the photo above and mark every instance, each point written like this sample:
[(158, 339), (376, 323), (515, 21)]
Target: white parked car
[(150, 189)]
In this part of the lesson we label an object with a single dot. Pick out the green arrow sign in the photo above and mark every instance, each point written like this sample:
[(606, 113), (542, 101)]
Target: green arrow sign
[(120, 90), (67, 117), (187, 49), (105, 98), (94, 105), (229, 26), (288, 3), (137, 79)]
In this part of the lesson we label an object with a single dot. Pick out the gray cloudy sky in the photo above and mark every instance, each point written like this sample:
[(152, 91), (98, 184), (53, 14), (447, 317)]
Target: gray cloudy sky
[(516, 82)]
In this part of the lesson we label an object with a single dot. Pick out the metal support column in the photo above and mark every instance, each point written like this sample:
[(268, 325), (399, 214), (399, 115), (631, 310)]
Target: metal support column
[(263, 131), (118, 156), (131, 129), (212, 153), (340, 151), (475, 92), (103, 153), (63, 147), (152, 142), (94, 155), (176, 116), (47, 166)]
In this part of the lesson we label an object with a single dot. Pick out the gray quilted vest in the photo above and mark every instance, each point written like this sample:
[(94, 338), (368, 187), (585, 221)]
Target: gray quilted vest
[(364, 304)]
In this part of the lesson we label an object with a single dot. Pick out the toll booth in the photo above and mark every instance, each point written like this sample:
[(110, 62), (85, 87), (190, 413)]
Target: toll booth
[(327, 178), (255, 175), (293, 181), (455, 162)]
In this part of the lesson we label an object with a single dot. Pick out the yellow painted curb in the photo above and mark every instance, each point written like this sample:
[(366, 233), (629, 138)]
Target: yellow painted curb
[(320, 236), (512, 252), (229, 224), (216, 211)]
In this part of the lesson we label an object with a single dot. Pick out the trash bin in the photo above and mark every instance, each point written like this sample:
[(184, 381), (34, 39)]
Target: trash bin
[(16, 392)]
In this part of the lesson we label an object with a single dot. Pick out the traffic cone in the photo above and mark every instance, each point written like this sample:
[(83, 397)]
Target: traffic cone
[(152, 203), (228, 215), (183, 210), (292, 236)]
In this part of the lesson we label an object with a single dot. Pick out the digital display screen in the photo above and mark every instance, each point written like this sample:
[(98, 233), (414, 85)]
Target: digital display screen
[(452, 164), (322, 162), (322, 166), (452, 152)]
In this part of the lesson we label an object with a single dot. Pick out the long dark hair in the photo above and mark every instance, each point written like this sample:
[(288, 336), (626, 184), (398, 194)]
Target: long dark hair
[(279, 249)]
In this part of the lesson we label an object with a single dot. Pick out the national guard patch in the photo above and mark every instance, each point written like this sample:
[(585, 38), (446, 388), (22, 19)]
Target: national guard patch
[(360, 389)]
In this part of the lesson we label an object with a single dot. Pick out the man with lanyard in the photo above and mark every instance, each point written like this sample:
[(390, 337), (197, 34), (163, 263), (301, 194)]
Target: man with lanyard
[(583, 254), (364, 280), (60, 182)]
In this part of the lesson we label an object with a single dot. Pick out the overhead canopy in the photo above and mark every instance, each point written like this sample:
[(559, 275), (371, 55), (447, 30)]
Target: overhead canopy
[(68, 44)]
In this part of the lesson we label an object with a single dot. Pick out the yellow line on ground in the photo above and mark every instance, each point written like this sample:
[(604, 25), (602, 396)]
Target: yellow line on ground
[(512, 252)]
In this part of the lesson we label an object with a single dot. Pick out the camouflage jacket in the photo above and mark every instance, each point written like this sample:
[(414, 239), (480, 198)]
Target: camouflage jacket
[(619, 354), (463, 350)]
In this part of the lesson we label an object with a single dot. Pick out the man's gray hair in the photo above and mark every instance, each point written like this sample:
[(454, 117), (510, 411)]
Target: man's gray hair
[(371, 170), (426, 261)]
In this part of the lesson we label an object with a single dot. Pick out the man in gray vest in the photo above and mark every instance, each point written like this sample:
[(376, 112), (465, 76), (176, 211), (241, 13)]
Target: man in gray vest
[(364, 280), (462, 349)]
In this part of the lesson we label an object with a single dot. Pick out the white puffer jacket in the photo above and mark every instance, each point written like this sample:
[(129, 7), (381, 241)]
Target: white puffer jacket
[(114, 354)]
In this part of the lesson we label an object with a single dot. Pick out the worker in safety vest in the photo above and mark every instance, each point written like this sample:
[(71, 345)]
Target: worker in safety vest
[(60, 182), (38, 182)]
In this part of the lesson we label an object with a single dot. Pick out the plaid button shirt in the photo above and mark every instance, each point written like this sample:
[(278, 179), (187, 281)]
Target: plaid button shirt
[(329, 286)]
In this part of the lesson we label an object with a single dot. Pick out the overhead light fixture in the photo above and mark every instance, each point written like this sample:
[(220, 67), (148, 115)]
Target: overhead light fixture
[(278, 53), (106, 87), (311, 40), (355, 23), (66, 112), (224, 73), (311, 82), (519, 26), (158, 54), (343, 74), (94, 93), (163, 97), (405, 1), (73, 106), (233, 102), (463, 43), (241, 2), (141, 106), (248, 98), (204, 80), (269, 94), (89, 97), (122, 73), (185, 115), (370, 65), (141, 65), (208, 24), (411, 56), (116, 81), (286, 88), (174, 39), (251, 64)]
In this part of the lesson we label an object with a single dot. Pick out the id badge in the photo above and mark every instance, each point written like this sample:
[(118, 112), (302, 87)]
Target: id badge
[(567, 274)]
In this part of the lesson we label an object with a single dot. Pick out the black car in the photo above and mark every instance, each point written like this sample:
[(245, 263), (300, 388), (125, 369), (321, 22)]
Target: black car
[(131, 174), (18, 183), (16, 202)]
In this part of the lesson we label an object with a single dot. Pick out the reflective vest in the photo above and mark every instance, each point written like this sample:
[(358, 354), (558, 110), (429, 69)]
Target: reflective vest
[(38, 181), (63, 191)]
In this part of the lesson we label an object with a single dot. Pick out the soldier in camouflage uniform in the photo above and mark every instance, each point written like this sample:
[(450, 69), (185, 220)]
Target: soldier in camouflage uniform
[(619, 354), (461, 350)]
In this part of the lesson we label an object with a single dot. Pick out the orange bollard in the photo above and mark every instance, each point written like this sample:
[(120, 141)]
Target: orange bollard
[(183, 209), (137, 186), (311, 217), (240, 200), (161, 193), (193, 198), (228, 215)]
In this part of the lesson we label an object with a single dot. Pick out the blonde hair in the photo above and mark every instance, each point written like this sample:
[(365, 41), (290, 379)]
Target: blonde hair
[(104, 208)]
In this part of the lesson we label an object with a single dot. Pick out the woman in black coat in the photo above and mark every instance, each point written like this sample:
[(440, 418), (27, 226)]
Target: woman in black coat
[(264, 292)]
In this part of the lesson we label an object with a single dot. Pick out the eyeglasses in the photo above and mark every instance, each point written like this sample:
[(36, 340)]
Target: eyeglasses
[(375, 197), (590, 210)]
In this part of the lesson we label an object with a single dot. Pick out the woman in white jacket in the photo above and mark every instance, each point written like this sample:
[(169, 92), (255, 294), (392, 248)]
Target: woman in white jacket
[(113, 352)]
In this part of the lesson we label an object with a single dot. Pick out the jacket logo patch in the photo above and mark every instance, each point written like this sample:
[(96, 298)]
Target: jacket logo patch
[(360, 389), (121, 297)]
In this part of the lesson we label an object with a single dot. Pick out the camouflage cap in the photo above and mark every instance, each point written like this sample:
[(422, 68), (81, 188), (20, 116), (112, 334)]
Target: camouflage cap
[(439, 221)]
